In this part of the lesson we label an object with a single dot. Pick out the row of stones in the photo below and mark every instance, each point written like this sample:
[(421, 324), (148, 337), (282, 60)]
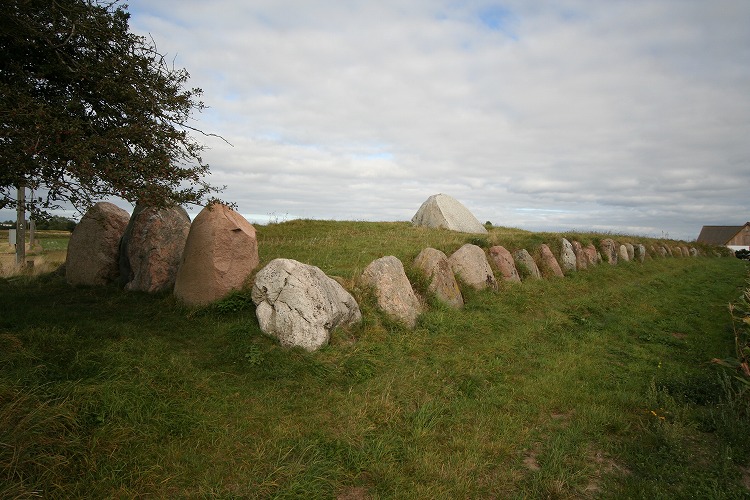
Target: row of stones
[(159, 249)]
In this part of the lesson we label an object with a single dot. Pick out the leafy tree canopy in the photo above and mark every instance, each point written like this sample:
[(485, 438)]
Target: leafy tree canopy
[(90, 110)]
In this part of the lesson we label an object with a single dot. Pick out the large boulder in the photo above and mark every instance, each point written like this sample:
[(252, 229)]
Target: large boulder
[(300, 305), (94, 245), (504, 262), (470, 264), (525, 262), (609, 250), (220, 253), (151, 248), (549, 265), (393, 291), (567, 257), (434, 264), (443, 211)]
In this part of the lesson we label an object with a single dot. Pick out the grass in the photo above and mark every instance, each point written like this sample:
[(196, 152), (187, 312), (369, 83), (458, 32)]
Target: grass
[(596, 385)]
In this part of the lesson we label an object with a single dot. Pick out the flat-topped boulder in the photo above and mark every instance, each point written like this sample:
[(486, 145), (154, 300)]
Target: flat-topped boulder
[(220, 253), (434, 264), (393, 291), (443, 211), (300, 305), (526, 265), (470, 264), (94, 246), (548, 264), (151, 248), (503, 260)]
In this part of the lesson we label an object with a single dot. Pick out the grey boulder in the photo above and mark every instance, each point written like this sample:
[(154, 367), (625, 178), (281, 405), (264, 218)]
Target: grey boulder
[(443, 211), (300, 305), (393, 290)]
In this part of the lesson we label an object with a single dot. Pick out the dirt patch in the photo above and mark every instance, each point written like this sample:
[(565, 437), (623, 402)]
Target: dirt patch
[(603, 465), (353, 493)]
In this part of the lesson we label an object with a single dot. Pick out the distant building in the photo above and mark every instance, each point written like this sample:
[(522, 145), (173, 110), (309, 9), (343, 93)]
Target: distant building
[(733, 237)]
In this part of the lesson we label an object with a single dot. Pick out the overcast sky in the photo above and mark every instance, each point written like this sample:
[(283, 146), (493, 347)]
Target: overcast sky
[(626, 116)]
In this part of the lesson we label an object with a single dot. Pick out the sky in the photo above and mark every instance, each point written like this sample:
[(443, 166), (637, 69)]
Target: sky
[(627, 116)]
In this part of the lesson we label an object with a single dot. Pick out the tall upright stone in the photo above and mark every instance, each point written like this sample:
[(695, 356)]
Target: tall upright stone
[(549, 265), (151, 248), (631, 251), (526, 265), (393, 290), (640, 252), (434, 264), (220, 253), (503, 260), (622, 254), (470, 264), (567, 257), (609, 250), (592, 254), (443, 211), (582, 258), (94, 245)]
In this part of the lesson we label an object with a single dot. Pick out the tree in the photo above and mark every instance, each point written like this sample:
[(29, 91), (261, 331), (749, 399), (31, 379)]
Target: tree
[(90, 110)]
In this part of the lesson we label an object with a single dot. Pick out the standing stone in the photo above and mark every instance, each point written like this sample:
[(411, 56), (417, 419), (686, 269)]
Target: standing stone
[(567, 257), (631, 251), (220, 253), (549, 265), (640, 252), (592, 254), (677, 252), (93, 246), (669, 250), (524, 260), (504, 262), (470, 264), (685, 251), (609, 251), (694, 252), (392, 289), (623, 254), (582, 258), (663, 251), (300, 305), (443, 211), (434, 264), (151, 248)]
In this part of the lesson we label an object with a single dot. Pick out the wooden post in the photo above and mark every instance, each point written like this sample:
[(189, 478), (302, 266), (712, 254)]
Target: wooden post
[(21, 226)]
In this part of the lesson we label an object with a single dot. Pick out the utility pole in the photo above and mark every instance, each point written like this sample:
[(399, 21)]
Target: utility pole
[(32, 225), (21, 226)]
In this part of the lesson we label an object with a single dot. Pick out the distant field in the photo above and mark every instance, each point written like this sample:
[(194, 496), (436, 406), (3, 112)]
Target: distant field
[(596, 385), (49, 253)]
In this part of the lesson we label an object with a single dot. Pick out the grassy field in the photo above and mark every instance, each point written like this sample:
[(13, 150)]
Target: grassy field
[(595, 385)]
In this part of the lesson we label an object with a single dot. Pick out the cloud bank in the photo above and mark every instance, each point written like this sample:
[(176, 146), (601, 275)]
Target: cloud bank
[(613, 116)]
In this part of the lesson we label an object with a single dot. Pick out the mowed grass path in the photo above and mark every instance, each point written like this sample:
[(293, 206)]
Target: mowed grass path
[(595, 385)]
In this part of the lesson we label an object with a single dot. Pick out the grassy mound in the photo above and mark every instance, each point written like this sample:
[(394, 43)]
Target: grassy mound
[(598, 384)]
